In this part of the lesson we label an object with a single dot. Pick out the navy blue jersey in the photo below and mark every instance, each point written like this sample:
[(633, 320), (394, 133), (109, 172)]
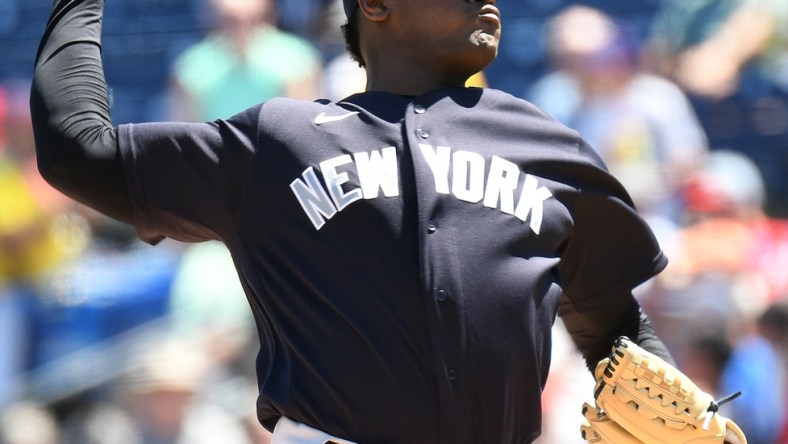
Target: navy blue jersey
[(403, 256)]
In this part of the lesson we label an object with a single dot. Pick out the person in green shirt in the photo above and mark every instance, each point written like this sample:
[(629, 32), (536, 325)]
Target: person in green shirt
[(244, 60)]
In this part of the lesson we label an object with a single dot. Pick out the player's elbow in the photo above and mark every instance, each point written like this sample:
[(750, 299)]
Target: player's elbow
[(88, 170), (72, 138), (53, 148), (56, 156), (51, 155), (72, 158), (53, 173)]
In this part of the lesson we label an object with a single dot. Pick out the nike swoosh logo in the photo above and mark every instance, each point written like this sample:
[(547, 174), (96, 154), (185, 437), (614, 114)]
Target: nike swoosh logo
[(323, 118)]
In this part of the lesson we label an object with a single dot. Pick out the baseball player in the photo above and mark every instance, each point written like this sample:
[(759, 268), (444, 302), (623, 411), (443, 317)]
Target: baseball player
[(405, 251)]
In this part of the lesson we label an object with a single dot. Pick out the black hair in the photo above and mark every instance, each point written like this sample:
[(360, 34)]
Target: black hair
[(351, 34)]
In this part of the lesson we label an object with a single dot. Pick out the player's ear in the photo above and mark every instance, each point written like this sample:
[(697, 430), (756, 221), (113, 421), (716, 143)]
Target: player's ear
[(374, 10)]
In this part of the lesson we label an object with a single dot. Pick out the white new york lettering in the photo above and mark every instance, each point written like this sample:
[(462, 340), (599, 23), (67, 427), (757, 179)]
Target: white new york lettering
[(463, 174), (313, 198), (501, 183), (531, 202), (335, 179), (377, 170), (468, 176), (439, 160)]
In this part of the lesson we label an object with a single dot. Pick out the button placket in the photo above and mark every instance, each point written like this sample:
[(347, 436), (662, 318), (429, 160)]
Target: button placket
[(421, 132), (444, 309)]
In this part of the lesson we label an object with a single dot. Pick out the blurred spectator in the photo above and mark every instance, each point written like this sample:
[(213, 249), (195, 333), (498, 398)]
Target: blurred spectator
[(773, 326), (208, 306), (243, 61), (731, 57), (740, 360), (207, 296), (342, 77), (28, 423), (706, 303), (30, 240), (729, 231), (707, 45), (166, 405), (99, 422), (708, 277), (69, 279), (79, 311), (14, 343), (317, 21), (36, 234), (753, 369), (706, 356), (116, 284), (642, 125)]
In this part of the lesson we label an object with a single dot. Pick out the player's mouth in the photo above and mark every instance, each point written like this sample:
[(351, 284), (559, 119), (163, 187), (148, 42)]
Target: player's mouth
[(490, 13)]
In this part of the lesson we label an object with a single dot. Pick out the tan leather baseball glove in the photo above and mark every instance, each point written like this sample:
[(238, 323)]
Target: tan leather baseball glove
[(641, 399)]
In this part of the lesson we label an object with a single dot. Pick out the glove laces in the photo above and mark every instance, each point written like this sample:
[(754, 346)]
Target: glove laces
[(715, 406)]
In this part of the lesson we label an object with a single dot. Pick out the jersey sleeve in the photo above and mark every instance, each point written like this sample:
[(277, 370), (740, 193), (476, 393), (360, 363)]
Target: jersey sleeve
[(187, 181), (611, 249)]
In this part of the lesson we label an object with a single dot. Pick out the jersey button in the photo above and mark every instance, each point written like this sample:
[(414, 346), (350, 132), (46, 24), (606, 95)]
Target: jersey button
[(432, 226), (419, 109), (442, 295), (424, 134), (451, 374)]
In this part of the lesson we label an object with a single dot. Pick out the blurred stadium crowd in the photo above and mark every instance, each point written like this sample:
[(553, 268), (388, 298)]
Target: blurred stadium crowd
[(106, 340)]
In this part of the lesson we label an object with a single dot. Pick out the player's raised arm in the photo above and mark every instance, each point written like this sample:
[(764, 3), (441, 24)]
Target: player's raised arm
[(76, 144)]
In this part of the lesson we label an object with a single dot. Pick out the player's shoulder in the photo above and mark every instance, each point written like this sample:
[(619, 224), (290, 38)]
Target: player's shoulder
[(520, 114), (289, 105), (288, 110), (298, 116), (508, 102), (565, 142)]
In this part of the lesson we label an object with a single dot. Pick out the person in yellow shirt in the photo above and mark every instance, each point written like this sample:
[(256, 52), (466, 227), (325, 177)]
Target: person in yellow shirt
[(36, 232)]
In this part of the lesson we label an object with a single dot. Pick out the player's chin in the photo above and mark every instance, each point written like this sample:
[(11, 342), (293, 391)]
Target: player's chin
[(485, 43), (485, 39), (485, 46)]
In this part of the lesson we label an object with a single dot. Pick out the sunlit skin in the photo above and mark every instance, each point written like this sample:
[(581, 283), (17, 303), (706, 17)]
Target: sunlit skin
[(412, 47)]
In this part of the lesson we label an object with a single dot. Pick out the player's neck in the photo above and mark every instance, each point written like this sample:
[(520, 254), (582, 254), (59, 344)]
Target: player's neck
[(402, 79)]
